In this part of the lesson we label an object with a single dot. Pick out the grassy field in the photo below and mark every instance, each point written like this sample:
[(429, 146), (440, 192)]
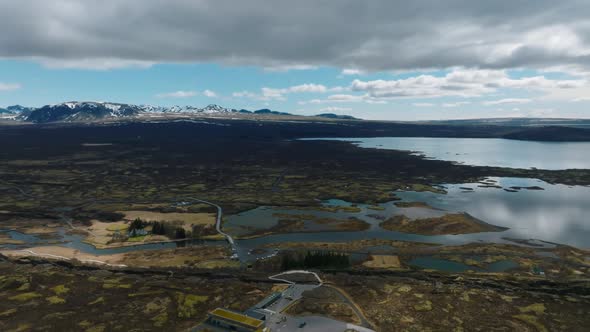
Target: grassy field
[(62, 297), (47, 297)]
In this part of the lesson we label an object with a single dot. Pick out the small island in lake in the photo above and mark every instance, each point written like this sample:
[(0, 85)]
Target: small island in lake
[(454, 223)]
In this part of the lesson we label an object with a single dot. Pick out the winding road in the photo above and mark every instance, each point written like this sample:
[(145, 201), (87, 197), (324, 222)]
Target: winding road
[(278, 321)]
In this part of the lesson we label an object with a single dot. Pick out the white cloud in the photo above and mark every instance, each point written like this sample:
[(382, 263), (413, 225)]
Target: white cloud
[(457, 83), (177, 94), (94, 63), (348, 71), (244, 94), (286, 68), (310, 87), (456, 104), (507, 101), (267, 94), (345, 98), (271, 94), (575, 100), (465, 83), (312, 101), (541, 112), (209, 93), (9, 86), (423, 104), (336, 109)]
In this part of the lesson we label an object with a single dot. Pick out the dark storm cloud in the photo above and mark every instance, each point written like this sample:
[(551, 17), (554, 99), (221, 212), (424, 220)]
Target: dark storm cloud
[(367, 35)]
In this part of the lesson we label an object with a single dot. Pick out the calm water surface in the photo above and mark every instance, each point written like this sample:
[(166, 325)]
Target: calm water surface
[(487, 151), (557, 214)]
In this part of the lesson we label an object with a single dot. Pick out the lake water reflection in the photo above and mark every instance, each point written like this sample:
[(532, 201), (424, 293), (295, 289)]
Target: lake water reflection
[(557, 214), (487, 151)]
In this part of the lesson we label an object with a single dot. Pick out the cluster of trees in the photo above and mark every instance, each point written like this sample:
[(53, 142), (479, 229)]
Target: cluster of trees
[(315, 259), (136, 228), (170, 230)]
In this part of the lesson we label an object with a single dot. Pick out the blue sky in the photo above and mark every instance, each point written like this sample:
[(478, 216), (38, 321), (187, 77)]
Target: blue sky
[(160, 84), (387, 60)]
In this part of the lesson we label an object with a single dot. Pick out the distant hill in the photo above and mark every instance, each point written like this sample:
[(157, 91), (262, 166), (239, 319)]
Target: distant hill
[(336, 116), (551, 134), (267, 111), (515, 122)]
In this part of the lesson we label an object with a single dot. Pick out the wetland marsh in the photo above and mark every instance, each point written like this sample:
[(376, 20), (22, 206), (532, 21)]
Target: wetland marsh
[(74, 192)]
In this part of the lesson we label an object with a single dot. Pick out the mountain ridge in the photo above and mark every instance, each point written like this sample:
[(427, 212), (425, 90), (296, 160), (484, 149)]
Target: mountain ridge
[(84, 111)]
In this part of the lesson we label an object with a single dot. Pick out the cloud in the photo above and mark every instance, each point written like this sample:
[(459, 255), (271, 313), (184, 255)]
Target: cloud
[(94, 64), (9, 86), (313, 88), (245, 94), (187, 94), (541, 112), (267, 94), (177, 94), (210, 94), (456, 104), (348, 71), (345, 98), (507, 101), (386, 35), (286, 68), (336, 109), (457, 83)]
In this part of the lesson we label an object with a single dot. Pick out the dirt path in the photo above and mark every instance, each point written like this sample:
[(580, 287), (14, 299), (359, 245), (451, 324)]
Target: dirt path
[(359, 312)]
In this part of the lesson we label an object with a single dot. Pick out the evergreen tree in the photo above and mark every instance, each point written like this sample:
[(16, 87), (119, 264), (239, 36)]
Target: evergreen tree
[(135, 225), (159, 228), (180, 233)]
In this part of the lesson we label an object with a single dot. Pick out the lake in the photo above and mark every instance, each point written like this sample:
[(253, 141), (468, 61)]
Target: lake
[(556, 214), (486, 151)]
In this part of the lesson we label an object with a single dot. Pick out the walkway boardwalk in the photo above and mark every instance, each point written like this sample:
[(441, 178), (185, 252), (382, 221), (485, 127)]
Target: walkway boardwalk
[(218, 222)]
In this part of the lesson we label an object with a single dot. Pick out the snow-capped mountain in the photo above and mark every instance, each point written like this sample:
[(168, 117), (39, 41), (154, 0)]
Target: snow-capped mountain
[(86, 111), (210, 109), (15, 112), (75, 111), (17, 109), (82, 111)]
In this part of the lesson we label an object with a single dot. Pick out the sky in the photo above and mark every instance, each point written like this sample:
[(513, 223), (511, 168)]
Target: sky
[(378, 59)]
